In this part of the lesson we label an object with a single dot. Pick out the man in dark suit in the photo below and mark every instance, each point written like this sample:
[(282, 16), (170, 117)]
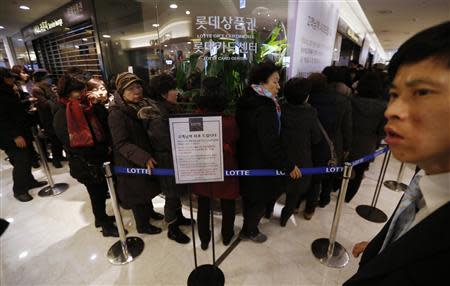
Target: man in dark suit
[(413, 248)]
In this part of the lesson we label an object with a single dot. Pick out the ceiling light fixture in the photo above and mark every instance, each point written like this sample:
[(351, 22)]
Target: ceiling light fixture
[(165, 46), (188, 12), (173, 6), (189, 43), (106, 36), (23, 7), (20, 40), (1, 27)]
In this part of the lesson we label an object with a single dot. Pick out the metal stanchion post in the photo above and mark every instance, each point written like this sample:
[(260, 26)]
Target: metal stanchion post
[(52, 189), (397, 185), (372, 213), (329, 251), (206, 274), (127, 248)]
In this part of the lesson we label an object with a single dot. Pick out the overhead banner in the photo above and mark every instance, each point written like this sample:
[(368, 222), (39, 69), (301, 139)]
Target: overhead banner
[(312, 27), (197, 149)]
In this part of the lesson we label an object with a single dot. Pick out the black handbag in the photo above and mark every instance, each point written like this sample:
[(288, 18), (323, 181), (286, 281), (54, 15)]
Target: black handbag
[(333, 157), (85, 172)]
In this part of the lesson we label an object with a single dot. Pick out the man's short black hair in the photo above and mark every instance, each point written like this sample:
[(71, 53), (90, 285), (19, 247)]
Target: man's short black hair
[(260, 73), (433, 43), (297, 90), (161, 85)]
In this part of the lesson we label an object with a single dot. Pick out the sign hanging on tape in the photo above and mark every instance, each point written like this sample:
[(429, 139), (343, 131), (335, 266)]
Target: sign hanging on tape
[(197, 149)]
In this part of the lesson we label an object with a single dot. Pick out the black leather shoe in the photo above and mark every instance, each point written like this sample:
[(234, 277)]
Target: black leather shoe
[(227, 240), (204, 245), (109, 219), (25, 197), (57, 164), (156, 216), (149, 229), (37, 184), (108, 229), (184, 221), (177, 235)]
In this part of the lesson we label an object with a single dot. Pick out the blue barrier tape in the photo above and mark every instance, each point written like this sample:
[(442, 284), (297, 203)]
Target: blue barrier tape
[(254, 172), (231, 173), (369, 157)]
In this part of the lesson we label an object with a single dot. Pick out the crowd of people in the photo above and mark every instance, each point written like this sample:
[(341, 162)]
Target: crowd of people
[(321, 120)]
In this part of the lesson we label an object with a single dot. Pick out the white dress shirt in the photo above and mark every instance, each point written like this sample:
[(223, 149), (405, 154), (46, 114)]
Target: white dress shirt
[(436, 193)]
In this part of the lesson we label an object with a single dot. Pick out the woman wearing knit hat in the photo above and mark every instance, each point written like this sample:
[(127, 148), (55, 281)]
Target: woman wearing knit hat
[(85, 141), (132, 148)]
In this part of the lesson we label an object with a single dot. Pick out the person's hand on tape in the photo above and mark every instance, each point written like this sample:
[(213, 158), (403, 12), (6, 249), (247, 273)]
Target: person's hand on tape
[(295, 173), (150, 165)]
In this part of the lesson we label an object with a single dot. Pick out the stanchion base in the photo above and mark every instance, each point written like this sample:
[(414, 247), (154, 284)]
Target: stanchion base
[(371, 214), (56, 190), (206, 274), (340, 256), (135, 247), (395, 186)]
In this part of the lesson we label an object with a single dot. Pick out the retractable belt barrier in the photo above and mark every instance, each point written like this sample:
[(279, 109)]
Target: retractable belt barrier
[(254, 172)]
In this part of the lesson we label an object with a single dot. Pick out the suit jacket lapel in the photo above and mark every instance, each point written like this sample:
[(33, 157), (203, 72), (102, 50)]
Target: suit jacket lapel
[(430, 236)]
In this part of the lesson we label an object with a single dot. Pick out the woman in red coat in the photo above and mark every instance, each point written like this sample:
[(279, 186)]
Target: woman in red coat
[(214, 100)]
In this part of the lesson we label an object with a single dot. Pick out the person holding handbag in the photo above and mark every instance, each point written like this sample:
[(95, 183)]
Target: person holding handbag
[(299, 133), (84, 139)]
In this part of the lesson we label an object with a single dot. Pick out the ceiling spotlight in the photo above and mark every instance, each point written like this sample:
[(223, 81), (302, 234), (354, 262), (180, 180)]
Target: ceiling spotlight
[(189, 43), (268, 15), (23, 7), (1, 27), (188, 12), (165, 46), (155, 25), (20, 40), (106, 36), (77, 47), (173, 6)]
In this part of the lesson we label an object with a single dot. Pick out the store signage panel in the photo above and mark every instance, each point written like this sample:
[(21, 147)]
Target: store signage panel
[(313, 38), (197, 149), (64, 17), (220, 35), (345, 30)]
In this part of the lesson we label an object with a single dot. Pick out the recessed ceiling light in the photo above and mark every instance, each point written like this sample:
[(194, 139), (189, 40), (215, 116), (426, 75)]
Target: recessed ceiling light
[(20, 40), (188, 12), (23, 7), (189, 43), (1, 27), (77, 47), (173, 6), (165, 46), (155, 25), (268, 15), (106, 36)]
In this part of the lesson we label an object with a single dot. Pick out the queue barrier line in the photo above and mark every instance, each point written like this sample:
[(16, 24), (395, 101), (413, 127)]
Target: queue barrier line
[(118, 170)]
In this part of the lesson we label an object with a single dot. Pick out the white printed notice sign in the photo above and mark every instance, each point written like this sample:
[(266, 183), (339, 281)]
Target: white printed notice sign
[(197, 149)]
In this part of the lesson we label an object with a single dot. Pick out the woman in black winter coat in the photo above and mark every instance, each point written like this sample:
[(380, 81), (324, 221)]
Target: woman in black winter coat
[(14, 131), (299, 134), (259, 147), (335, 114), (132, 149), (156, 122), (368, 125), (85, 141)]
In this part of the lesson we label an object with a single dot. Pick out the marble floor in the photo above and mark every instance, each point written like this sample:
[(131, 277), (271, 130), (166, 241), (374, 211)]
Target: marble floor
[(53, 241)]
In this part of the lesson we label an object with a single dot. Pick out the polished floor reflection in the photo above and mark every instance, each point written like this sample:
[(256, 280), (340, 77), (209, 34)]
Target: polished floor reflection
[(53, 241)]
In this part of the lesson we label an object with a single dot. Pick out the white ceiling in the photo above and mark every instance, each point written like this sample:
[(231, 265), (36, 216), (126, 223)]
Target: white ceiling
[(394, 21), (14, 19)]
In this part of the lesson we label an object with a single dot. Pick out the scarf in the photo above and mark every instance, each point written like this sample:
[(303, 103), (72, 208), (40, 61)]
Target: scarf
[(80, 121), (262, 91)]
